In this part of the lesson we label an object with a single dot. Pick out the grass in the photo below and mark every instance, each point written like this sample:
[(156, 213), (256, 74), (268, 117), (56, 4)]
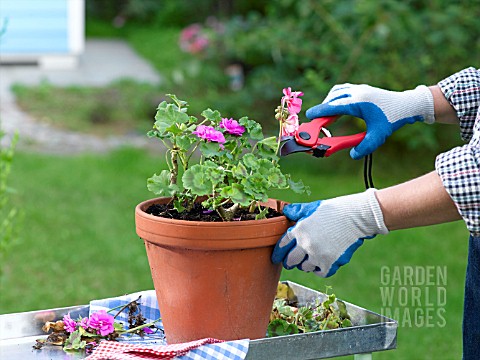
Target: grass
[(119, 108), (78, 240)]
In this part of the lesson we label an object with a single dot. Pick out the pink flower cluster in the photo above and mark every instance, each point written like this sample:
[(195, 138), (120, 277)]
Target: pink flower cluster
[(99, 322), (232, 126), (193, 40), (209, 133), (292, 101)]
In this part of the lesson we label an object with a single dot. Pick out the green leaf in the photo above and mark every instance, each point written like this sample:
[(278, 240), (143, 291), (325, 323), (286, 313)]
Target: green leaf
[(329, 301), (280, 327), (212, 115), (265, 165), (173, 130), (152, 133), (198, 180), (85, 333), (342, 309), (215, 172), (267, 153), (176, 116), (180, 103), (160, 184), (253, 128), (210, 149), (168, 116), (262, 214), (276, 178), (184, 142), (270, 142), (239, 171), (74, 342), (178, 205), (162, 105), (298, 186), (250, 161), (257, 186), (236, 193), (118, 327)]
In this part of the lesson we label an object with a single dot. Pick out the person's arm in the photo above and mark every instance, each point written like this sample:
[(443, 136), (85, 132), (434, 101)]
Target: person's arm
[(424, 200), (418, 202), (444, 111)]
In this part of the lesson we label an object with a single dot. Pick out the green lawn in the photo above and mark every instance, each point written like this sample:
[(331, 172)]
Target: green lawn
[(122, 107), (78, 241)]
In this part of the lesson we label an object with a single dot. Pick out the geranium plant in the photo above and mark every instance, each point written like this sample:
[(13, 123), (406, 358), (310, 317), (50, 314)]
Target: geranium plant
[(226, 163)]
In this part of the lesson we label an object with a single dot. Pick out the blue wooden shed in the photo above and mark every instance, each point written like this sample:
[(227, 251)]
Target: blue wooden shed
[(50, 33)]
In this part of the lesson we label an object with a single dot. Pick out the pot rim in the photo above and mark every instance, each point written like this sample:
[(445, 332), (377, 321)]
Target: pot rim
[(272, 203), (208, 235)]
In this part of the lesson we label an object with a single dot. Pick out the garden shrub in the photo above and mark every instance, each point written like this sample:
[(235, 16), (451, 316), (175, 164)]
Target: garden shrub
[(312, 45)]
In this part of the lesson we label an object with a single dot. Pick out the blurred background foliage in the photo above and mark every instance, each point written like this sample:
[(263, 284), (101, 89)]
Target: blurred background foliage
[(309, 45)]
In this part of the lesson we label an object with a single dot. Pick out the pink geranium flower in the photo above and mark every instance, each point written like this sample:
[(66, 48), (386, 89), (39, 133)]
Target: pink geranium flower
[(102, 322), (292, 100), (69, 324), (290, 126), (210, 134), (232, 126)]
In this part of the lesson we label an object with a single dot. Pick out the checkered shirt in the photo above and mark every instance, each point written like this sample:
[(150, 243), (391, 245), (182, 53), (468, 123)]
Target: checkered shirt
[(459, 168)]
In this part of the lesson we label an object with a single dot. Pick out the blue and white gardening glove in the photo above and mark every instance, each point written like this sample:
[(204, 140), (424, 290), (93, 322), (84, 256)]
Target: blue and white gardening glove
[(383, 111), (328, 232)]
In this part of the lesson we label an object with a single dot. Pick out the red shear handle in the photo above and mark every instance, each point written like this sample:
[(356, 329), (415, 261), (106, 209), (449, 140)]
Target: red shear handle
[(313, 129), (338, 143)]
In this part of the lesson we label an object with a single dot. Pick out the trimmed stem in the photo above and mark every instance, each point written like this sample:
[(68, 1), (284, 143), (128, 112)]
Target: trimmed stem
[(251, 207), (141, 326), (174, 170), (228, 214)]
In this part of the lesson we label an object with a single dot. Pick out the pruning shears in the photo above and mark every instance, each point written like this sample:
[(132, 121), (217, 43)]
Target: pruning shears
[(308, 139)]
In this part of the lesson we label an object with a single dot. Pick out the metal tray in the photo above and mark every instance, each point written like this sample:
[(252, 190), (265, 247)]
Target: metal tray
[(371, 332)]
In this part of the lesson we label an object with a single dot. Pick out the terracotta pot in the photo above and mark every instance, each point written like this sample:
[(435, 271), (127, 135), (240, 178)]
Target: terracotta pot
[(212, 279)]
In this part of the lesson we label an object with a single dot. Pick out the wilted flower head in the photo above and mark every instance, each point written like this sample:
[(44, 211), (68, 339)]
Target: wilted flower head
[(83, 323), (290, 125), (210, 134), (232, 126), (69, 324), (102, 322)]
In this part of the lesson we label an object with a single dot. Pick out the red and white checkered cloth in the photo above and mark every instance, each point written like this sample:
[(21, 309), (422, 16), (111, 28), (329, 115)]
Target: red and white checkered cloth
[(112, 350)]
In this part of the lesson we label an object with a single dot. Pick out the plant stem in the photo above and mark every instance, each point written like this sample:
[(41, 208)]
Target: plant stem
[(124, 306), (141, 326), (174, 170)]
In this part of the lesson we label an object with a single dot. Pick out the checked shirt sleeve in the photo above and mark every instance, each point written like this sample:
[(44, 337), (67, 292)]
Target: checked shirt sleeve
[(459, 168)]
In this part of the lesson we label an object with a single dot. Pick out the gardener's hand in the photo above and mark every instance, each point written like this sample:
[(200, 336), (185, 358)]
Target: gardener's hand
[(328, 232), (383, 111)]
